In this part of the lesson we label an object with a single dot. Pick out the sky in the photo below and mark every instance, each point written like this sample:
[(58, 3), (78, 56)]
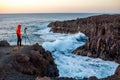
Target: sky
[(59, 6)]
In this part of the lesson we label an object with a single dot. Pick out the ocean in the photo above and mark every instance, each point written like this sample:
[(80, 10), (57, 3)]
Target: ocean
[(60, 45), (36, 24)]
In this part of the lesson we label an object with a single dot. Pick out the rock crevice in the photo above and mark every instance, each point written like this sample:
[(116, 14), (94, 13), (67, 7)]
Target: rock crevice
[(104, 38), (103, 32), (26, 63)]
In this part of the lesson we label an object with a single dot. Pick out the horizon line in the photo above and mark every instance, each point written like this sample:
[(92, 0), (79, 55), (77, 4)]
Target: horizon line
[(64, 13)]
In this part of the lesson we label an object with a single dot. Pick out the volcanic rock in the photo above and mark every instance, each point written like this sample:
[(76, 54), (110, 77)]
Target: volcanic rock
[(103, 32), (4, 43), (54, 78), (104, 37), (27, 63)]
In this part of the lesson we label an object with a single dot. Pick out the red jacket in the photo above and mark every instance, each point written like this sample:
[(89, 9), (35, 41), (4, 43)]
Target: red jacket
[(18, 30)]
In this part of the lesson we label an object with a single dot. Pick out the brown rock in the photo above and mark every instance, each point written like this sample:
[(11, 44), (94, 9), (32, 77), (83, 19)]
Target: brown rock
[(22, 58), (27, 63), (4, 43), (42, 78), (117, 72), (89, 54), (93, 78), (54, 78), (103, 32), (104, 37)]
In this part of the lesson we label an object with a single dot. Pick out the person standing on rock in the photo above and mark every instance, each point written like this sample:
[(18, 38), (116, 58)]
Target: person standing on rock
[(19, 35)]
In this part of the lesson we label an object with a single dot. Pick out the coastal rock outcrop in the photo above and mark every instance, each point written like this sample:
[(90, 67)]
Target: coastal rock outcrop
[(26, 63), (104, 38), (55, 78), (103, 32), (4, 43), (91, 78)]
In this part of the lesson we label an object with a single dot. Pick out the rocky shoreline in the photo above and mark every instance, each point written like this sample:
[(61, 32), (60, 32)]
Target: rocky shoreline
[(104, 37), (25, 63), (34, 63), (103, 32)]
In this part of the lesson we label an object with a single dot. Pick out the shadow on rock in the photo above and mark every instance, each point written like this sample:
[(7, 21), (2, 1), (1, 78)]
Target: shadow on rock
[(27, 63)]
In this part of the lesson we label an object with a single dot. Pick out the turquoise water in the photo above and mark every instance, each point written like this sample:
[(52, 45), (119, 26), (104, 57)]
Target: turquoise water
[(60, 45), (34, 22)]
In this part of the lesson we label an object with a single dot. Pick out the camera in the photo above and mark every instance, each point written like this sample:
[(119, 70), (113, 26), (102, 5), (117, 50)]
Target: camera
[(25, 29)]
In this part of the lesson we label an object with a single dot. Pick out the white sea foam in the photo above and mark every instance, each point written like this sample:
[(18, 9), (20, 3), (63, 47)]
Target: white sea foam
[(66, 43), (71, 65), (60, 45)]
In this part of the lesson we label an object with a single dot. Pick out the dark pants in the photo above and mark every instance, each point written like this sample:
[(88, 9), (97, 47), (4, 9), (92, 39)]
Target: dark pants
[(19, 40)]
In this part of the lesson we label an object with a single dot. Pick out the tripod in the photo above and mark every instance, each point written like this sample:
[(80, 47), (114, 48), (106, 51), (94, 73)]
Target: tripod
[(26, 36)]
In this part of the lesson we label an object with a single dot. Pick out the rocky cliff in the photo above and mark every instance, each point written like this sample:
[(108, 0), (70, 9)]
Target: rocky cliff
[(103, 32), (104, 38), (26, 63)]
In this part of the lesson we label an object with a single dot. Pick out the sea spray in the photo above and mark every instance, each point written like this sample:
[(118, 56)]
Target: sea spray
[(71, 65), (61, 45)]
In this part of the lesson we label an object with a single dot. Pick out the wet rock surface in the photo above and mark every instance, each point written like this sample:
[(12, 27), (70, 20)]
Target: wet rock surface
[(103, 32), (4, 43), (48, 78), (104, 37), (29, 62), (26, 63)]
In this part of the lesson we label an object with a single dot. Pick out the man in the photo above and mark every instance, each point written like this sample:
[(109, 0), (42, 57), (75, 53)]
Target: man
[(19, 35)]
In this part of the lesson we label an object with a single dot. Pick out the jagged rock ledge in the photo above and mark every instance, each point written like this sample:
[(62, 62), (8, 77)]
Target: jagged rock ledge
[(116, 76), (103, 32), (25, 63)]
